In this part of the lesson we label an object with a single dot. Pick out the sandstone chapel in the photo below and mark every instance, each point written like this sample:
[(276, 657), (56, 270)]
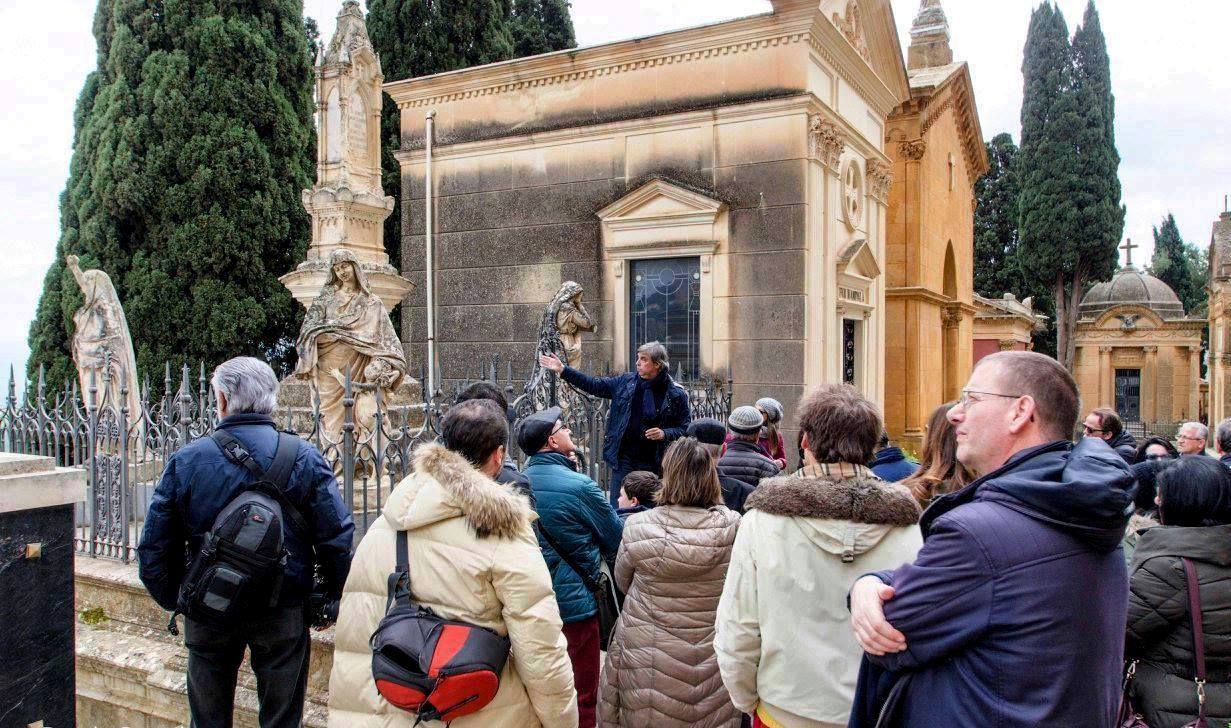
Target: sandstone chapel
[(787, 196)]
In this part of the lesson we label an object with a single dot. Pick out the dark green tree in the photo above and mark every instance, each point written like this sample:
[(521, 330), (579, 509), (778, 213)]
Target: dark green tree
[(193, 140), (999, 270), (541, 26), (1180, 266), (1070, 217), (422, 37)]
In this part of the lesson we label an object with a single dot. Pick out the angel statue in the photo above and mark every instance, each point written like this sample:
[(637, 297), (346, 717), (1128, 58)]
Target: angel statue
[(345, 330), (565, 319), (102, 345)]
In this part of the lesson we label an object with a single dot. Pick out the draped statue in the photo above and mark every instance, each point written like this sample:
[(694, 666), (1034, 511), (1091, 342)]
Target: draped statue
[(102, 346), (345, 330), (565, 319)]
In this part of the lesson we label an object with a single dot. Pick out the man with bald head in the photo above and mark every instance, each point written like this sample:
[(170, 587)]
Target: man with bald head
[(1013, 612)]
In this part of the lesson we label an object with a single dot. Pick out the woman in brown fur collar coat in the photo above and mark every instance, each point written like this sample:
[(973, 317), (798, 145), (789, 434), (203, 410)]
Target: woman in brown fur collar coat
[(661, 669), (784, 642)]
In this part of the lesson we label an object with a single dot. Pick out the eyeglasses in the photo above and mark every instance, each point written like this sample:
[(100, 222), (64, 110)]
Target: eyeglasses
[(1188, 437), (966, 400), (1164, 456), (561, 427), (1091, 430)]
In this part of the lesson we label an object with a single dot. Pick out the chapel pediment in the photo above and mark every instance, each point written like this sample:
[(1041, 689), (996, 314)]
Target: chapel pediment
[(659, 211), (857, 259)]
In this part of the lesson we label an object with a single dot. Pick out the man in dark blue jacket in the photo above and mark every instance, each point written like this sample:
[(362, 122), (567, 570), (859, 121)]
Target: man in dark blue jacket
[(890, 463), (574, 516), (1013, 612), (648, 411), (197, 482)]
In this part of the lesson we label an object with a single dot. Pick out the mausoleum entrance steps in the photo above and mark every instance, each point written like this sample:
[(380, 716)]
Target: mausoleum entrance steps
[(132, 672)]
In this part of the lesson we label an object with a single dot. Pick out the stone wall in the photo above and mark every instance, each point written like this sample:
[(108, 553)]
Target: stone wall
[(513, 225)]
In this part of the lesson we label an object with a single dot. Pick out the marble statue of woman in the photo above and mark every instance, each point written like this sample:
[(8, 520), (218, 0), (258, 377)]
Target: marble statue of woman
[(564, 320), (102, 346), (347, 329), (571, 318)]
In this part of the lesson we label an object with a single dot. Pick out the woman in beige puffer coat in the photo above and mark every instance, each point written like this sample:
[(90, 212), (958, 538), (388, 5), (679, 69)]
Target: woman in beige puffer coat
[(660, 668), (473, 557)]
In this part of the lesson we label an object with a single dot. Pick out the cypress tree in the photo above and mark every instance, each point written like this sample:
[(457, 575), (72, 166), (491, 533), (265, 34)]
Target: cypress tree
[(541, 26), (422, 37), (1100, 214), (1058, 138), (995, 221), (194, 139), (1180, 266)]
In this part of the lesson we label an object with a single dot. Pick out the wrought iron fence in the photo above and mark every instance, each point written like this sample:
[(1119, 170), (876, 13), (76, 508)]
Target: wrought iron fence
[(124, 452)]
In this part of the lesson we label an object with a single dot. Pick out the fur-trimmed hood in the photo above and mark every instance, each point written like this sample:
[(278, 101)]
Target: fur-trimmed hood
[(843, 515), (445, 485)]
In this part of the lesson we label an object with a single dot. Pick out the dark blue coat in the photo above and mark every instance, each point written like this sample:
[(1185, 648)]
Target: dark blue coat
[(1014, 610), (577, 515), (674, 415), (891, 464), (199, 480)]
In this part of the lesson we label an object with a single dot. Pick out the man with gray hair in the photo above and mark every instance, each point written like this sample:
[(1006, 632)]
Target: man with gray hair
[(197, 483), (648, 411), (1191, 438), (1222, 441)]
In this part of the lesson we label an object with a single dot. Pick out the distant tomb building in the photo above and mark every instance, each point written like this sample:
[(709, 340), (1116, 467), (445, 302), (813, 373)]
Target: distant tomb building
[(1137, 351), (936, 146), (1004, 324)]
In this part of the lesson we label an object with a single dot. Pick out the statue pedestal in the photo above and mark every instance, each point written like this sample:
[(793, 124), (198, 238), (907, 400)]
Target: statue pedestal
[(404, 406)]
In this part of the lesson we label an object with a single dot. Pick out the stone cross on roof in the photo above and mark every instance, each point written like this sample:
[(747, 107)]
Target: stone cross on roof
[(1128, 251)]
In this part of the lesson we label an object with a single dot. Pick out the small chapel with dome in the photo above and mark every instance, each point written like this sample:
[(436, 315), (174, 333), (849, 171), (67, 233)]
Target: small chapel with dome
[(1138, 352)]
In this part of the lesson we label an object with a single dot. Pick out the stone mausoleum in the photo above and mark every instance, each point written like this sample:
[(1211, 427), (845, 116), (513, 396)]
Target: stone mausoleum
[(1137, 351), (728, 189), (1220, 319)]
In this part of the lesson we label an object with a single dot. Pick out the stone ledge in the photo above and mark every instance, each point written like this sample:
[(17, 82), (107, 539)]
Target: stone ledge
[(32, 481), (131, 671)]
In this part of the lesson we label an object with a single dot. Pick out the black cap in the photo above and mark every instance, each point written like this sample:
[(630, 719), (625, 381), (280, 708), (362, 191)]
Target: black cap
[(708, 430), (533, 430)]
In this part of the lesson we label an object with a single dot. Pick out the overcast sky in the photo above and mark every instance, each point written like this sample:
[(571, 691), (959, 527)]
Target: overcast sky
[(1169, 64)]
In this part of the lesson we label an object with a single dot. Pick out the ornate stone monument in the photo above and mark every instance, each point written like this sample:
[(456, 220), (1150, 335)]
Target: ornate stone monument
[(565, 319), (102, 346), (347, 330), (347, 205)]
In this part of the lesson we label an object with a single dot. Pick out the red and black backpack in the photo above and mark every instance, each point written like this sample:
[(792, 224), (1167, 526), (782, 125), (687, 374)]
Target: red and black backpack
[(436, 668)]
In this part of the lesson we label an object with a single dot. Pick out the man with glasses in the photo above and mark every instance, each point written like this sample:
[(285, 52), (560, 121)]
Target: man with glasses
[(573, 517), (1106, 424), (1190, 440), (1013, 612)]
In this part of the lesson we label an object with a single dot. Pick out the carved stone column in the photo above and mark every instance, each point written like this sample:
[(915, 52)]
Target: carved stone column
[(1149, 386), (1106, 380), (1194, 382)]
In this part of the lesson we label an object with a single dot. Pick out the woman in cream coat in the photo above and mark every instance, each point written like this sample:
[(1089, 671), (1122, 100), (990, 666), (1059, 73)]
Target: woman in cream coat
[(473, 557)]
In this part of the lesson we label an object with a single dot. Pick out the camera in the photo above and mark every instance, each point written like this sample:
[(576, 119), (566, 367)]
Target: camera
[(322, 611)]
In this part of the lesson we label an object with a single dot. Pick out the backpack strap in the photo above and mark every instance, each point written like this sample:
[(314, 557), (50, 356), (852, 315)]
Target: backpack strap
[(278, 475), (399, 580), (1194, 616), (590, 582)]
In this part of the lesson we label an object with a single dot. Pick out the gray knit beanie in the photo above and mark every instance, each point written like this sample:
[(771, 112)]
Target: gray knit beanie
[(772, 407), (745, 420)]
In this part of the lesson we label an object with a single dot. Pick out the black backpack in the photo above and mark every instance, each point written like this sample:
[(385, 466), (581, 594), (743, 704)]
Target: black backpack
[(242, 561)]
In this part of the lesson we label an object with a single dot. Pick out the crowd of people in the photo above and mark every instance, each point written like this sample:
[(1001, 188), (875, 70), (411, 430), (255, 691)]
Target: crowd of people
[(1015, 575)]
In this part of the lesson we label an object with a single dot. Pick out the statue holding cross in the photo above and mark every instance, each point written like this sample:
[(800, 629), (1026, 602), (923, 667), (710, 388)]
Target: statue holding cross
[(1128, 252)]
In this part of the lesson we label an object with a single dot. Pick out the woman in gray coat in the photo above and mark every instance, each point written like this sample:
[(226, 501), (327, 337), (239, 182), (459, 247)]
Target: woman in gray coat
[(661, 669), (1194, 498)]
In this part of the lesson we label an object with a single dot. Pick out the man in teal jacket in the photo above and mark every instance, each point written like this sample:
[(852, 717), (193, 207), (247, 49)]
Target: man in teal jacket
[(573, 511)]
